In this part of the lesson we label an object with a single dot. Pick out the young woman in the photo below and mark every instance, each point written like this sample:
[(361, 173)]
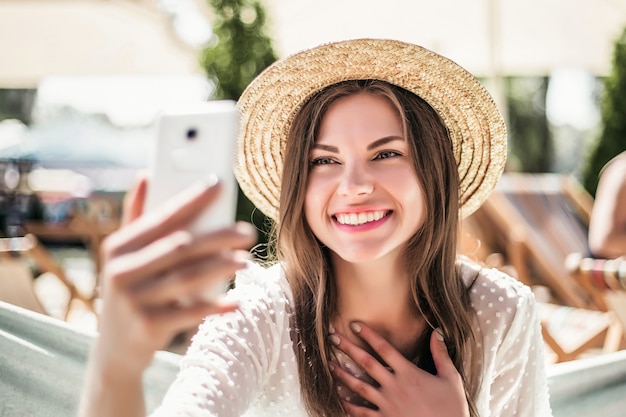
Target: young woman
[(366, 153)]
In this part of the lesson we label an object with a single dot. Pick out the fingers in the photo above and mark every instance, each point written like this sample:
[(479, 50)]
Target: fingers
[(134, 200), (358, 411), (173, 318), (400, 388), (159, 325), (191, 282), (368, 363), (359, 394), (173, 215), (389, 354), (180, 249), (443, 363)]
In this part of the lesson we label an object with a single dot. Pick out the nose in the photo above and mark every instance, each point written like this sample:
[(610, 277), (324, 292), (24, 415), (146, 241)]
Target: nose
[(355, 181)]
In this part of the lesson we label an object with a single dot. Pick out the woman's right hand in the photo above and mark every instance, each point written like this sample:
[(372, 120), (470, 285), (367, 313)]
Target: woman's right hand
[(153, 267)]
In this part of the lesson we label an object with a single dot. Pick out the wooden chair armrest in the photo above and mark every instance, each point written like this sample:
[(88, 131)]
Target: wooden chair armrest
[(605, 274)]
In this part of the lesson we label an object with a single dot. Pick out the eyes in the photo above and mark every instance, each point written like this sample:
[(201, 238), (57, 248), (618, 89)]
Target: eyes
[(323, 160), (328, 160), (387, 154)]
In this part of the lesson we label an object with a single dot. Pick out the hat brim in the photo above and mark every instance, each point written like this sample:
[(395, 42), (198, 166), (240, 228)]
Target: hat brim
[(269, 104)]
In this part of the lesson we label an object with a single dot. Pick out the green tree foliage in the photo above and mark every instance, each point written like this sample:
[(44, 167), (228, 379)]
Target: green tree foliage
[(240, 50), (531, 147), (17, 104), (612, 138), (238, 53)]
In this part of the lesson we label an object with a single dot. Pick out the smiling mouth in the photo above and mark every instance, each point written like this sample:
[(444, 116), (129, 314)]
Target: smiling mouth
[(358, 219)]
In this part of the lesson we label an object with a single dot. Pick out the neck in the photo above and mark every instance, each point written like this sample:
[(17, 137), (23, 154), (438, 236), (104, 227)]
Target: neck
[(381, 285), (379, 295)]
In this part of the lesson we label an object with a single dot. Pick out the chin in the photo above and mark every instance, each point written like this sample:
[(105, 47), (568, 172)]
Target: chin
[(361, 255)]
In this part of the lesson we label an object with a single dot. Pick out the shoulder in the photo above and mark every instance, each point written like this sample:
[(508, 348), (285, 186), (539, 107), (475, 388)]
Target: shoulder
[(255, 279), (497, 298), (490, 282), (261, 288), (617, 162), (615, 169)]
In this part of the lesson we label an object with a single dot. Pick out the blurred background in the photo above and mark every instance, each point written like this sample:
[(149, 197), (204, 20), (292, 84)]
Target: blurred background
[(82, 81)]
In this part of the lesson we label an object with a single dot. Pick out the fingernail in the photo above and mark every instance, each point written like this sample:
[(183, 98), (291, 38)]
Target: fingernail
[(245, 228), (210, 180), (356, 327), (241, 256), (334, 339), (439, 334), (331, 329), (203, 184), (332, 367)]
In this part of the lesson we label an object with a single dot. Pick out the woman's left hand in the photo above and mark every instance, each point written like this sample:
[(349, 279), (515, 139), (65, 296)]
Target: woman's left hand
[(405, 389)]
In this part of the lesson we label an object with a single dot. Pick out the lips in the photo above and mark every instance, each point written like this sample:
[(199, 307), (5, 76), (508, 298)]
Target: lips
[(361, 218)]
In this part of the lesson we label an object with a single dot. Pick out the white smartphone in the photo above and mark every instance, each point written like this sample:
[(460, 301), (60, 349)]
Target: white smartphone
[(193, 143)]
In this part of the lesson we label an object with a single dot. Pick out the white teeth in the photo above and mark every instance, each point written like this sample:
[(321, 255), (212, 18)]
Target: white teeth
[(357, 219)]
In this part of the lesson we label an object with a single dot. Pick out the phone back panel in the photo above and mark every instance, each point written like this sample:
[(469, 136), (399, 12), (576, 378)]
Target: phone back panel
[(192, 144)]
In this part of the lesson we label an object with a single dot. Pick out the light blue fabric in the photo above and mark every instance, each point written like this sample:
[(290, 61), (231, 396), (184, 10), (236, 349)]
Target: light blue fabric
[(591, 387), (42, 366)]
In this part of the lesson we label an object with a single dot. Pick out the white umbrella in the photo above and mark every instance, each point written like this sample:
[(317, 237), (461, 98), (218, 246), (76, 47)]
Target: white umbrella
[(59, 184), (488, 37), (88, 37)]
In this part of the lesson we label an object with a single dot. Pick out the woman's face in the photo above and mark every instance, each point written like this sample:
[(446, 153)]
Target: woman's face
[(363, 199)]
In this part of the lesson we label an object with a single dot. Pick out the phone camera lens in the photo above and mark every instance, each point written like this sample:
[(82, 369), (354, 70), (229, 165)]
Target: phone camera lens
[(192, 134)]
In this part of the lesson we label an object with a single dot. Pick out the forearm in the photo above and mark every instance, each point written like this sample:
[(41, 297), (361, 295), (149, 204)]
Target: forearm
[(610, 244), (613, 246), (607, 225), (107, 393)]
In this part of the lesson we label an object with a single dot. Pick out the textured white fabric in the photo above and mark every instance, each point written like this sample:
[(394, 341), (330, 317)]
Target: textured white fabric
[(243, 364)]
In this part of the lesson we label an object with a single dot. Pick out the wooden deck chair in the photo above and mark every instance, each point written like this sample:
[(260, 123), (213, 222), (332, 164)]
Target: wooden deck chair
[(535, 221), (571, 332), (28, 247), (605, 279)]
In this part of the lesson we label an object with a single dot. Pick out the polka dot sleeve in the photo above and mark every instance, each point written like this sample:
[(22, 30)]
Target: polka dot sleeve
[(518, 382), (232, 357)]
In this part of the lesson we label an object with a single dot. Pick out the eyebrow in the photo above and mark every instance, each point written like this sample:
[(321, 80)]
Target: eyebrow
[(377, 143)]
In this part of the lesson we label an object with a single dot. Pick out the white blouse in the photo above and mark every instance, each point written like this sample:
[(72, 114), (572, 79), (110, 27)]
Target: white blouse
[(243, 364)]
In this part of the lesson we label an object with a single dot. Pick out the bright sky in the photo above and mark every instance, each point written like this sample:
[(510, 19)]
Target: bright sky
[(570, 99)]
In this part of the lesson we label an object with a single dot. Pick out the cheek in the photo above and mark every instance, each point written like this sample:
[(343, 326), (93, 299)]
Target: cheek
[(319, 187), (419, 204), (309, 207), (314, 199), (405, 185), (402, 180)]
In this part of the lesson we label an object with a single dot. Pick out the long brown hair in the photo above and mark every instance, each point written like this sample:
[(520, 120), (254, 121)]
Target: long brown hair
[(437, 288)]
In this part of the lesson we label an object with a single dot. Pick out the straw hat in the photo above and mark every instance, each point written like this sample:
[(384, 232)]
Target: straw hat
[(271, 101)]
